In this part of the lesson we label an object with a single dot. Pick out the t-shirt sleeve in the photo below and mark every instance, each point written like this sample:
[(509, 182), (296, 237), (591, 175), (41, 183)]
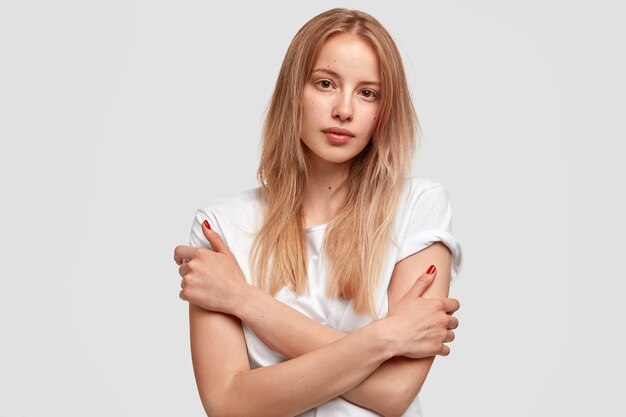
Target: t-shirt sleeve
[(429, 218), (196, 237)]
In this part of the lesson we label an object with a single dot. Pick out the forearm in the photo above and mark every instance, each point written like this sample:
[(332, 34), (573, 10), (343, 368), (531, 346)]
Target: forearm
[(281, 327), (293, 334), (314, 378), (399, 378)]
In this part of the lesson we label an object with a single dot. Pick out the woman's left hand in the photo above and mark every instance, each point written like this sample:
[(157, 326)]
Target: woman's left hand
[(211, 279)]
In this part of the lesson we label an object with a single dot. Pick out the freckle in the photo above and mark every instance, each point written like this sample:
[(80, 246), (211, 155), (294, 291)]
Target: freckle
[(329, 188)]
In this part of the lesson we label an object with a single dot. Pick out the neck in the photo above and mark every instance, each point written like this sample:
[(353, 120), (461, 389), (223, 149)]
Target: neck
[(326, 191)]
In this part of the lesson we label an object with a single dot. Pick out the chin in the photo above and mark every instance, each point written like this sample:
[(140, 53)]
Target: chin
[(337, 157), (330, 154)]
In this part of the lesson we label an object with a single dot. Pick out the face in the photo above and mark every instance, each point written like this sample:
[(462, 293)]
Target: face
[(340, 100)]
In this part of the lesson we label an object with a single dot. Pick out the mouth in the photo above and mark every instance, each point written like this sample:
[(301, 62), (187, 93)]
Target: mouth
[(338, 136)]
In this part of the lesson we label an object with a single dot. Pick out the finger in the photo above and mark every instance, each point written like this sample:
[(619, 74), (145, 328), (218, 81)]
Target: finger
[(445, 351), (183, 269), (214, 239), (423, 282), (182, 284), (454, 323), (449, 337), (180, 295), (184, 253), (450, 305)]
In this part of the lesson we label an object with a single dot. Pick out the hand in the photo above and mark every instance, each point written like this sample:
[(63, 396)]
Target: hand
[(421, 326), (210, 279)]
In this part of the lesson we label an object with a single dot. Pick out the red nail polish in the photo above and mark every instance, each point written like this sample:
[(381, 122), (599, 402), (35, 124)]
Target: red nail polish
[(208, 226), (431, 270)]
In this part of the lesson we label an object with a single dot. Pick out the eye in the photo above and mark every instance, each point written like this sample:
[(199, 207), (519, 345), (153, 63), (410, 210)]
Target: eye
[(325, 84), (369, 94)]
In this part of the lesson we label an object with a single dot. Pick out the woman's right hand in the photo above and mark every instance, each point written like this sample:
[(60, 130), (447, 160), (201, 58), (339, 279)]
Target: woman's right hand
[(420, 327), (211, 279)]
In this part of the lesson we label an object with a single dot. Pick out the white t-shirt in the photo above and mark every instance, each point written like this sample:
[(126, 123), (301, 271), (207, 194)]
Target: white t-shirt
[(423, 217)]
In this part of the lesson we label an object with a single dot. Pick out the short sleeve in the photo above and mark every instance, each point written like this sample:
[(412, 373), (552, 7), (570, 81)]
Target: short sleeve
[(196, 237), (429, 220)]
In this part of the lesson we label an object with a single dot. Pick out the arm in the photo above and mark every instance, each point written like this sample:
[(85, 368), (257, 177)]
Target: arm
[(224, 377), (406, 376), (417, 324), (228, 387), (293, 334)]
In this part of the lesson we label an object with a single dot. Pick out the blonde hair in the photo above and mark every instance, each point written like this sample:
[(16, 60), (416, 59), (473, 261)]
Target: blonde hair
[(357, 239)]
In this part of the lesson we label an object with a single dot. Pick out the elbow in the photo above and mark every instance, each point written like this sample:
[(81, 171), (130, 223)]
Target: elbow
[(224, 408), (217, 404), (224, 402), (218, 409), (211, 408), (395, 410), (403, 394)]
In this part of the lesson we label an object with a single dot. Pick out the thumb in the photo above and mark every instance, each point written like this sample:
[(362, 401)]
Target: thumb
[(214, 239), (423, 282)]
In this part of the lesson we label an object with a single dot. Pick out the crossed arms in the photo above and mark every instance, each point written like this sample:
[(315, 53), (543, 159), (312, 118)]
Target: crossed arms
[(389, 358)]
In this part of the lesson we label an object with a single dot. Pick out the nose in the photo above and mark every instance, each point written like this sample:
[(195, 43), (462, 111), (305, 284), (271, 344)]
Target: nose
[(342, 109)]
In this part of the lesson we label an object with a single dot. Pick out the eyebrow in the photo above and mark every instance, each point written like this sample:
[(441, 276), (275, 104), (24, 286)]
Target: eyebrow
[(336, 75)]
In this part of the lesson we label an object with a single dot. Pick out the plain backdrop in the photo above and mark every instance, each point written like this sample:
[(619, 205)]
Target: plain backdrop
[(118, 119)]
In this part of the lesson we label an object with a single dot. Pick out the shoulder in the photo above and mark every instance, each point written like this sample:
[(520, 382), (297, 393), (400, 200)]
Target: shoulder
[(229, 216), (425, 217), (234, 205), (423, 205), (423, 190)]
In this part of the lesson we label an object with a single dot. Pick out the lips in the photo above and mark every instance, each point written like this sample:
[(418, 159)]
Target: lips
[(337, 135)]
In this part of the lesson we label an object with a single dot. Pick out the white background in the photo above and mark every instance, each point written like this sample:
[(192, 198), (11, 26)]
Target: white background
[(118, 119)]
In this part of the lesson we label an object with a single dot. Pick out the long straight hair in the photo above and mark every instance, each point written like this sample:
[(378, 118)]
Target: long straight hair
[(358, 238)]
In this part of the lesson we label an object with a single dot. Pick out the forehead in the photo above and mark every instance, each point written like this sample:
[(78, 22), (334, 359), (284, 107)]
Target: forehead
[(349, 56)]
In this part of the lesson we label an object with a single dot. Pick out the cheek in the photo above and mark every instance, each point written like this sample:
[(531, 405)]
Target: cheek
[(310, 107), (311, 103), (373, 120)]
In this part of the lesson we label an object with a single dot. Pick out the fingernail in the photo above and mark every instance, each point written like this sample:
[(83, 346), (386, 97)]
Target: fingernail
[(431, 270), (208, 226)]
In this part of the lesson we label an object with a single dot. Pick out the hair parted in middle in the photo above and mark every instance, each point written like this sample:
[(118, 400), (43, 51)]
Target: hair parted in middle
[(357, 239)]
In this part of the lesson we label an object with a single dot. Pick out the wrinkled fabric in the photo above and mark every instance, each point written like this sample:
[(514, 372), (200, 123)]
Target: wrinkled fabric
[(423, 216)]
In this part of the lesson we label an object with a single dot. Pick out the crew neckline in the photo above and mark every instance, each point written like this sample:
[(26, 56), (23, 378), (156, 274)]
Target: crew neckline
[(316, 227)]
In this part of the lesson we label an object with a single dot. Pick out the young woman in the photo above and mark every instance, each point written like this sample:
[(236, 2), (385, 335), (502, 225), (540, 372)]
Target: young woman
[(324, 292)]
